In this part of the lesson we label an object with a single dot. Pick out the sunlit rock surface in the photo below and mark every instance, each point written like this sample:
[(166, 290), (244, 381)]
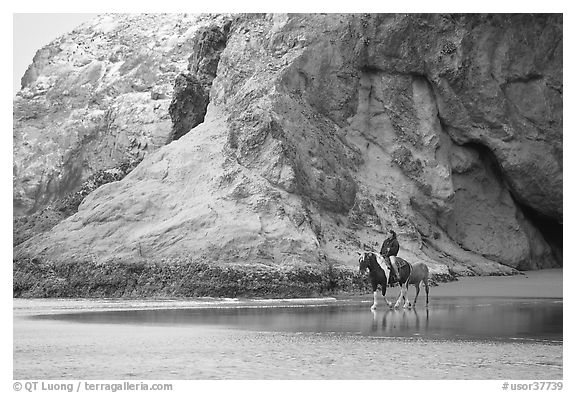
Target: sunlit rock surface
[(95, 98)]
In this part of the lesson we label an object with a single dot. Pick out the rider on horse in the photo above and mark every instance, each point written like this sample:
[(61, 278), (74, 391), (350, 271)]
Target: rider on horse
[(390, 249)]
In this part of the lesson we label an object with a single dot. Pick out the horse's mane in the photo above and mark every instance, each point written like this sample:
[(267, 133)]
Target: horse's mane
[(380, 261)]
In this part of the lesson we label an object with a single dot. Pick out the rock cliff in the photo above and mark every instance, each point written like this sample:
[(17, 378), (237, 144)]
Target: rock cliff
[(296, 140), (96, 98)]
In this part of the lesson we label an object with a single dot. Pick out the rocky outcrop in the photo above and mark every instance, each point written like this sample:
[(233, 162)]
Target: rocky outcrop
[(324, 131), (188, 106), (95, 98), (192, 88)]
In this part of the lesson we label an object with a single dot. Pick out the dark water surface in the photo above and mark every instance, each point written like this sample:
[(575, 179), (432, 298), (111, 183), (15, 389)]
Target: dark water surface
[(449, 318)]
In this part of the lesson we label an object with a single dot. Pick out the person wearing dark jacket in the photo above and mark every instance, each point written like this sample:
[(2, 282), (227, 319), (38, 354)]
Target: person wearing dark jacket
[(390, 249)]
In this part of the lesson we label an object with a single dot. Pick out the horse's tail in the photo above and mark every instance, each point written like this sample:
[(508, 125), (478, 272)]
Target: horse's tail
[(427, 283)]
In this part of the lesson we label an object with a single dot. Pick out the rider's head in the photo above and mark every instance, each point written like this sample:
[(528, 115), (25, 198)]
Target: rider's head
[(392, 233)]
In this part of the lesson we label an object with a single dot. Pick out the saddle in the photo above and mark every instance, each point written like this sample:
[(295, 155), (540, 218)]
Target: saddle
[(401, 265)]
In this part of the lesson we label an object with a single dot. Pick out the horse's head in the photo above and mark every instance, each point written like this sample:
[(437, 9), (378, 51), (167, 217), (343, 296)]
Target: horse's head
[(364, 260)]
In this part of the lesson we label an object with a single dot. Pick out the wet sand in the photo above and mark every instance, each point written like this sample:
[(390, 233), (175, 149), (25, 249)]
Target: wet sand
[(58, 349)]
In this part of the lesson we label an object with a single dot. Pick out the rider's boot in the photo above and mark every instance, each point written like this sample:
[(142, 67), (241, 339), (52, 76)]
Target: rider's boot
[(395, 269)]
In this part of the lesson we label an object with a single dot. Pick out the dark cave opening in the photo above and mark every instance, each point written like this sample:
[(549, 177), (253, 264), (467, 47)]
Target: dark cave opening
[(550, 229)]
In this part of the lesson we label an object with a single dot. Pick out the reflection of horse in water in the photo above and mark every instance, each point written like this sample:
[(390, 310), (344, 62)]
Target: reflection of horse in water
[(403, 321), (379, 274)]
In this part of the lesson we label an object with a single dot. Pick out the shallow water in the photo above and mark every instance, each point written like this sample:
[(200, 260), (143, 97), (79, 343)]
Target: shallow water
[(514, 334), (450, 318)]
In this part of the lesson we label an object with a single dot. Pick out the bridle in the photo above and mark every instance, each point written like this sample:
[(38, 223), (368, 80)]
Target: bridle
[(366, 264)]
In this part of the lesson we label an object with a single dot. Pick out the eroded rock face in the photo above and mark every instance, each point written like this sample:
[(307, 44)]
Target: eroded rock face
[(25, 227), (324, 131), (95, 98), (192, 88)]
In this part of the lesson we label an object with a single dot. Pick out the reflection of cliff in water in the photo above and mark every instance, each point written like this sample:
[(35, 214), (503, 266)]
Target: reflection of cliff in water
[(447, 318)]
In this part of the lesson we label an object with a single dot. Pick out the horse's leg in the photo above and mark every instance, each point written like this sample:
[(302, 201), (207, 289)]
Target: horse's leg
[(375, 301), (375, 304), (427, 289), (375, 291), (407, 303), (410, 305), (405, 297), (383, 286), (400, 296), (417, 285)]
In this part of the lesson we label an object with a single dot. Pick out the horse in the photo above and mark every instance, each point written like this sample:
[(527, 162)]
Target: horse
[(379, 274)]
